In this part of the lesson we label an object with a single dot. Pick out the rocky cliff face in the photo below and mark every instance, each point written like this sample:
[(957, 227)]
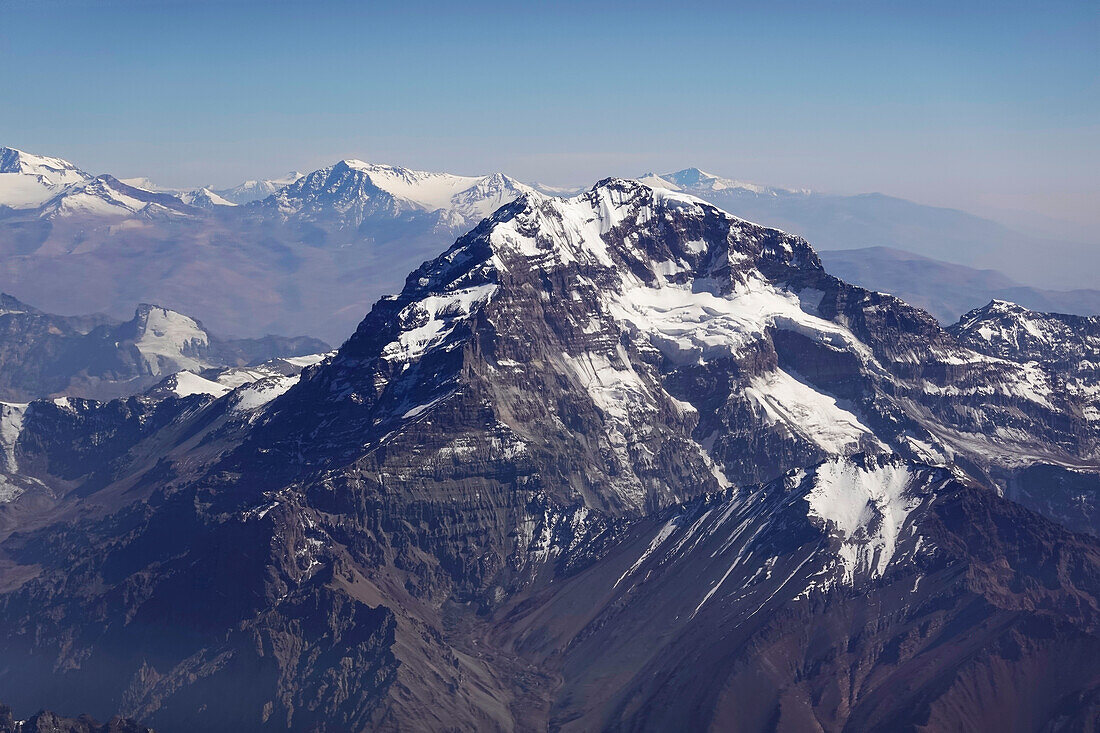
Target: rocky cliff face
[(1064, 342), (1068, 347), (618, 461)]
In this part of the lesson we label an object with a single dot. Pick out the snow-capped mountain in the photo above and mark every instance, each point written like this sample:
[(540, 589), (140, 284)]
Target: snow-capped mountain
[(315, 251), (204, 198), (1010, 331), (353, 192), (1068, 347), (264, 381), (47, 355), (765, 305), (610, 462), (27, 180), (50, 171), (53, 188), (253, 190), (107, 198), (149, 184), (696, 182)]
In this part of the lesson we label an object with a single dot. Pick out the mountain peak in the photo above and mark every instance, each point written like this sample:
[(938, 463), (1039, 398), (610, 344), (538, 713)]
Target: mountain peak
[(28, 180), (1007, 330), (352, 191), (695, 180), (167, 340), (205, 198), (693, 177), (11, 304), (13, 160)]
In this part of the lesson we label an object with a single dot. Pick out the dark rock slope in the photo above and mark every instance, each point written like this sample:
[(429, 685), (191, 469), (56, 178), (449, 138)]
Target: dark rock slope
[(620, 462)]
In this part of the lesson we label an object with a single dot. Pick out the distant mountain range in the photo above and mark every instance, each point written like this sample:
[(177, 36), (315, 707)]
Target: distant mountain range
[(307, 253), (947, 290), (44, 355)]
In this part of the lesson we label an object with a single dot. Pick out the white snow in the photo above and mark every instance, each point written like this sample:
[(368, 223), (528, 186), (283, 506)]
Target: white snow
[(259, 393), (468, 198), (28, 181), (695, 180), (441, 312), (787, 401), (421, 409), (234, 377), (252, 190), (189, 383), (148, 184), (662, 534), (867, 507), (52, 171), (169, 341), (689, 323), (11, 426), (95, 198), (21, 191), (204, 197), (308, 360)]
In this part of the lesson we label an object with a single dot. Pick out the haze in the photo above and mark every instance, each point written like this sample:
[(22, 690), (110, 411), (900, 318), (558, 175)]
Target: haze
[(990, 108)]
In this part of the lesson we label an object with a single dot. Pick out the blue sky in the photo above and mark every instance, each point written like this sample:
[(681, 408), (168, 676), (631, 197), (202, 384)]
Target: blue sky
[(990, 106)]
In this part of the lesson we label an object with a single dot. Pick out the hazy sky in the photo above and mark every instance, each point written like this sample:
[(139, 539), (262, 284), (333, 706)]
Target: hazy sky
[(980, 106)]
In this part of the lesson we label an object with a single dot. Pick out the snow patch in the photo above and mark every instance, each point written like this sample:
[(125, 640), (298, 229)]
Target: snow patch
[(170, 340), (441, 313), (867, 507), (185, 384), (808, 413)]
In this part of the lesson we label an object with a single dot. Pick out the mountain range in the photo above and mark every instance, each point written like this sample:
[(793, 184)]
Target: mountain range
[(948, 290), (95, 357), (617, 461), (310, 253)]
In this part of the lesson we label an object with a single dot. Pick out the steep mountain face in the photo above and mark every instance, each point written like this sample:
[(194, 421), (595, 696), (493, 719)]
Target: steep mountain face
[(656, 307), (947, 290), (621, 461), (1068, 346), (858, 595), (45, 355)]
